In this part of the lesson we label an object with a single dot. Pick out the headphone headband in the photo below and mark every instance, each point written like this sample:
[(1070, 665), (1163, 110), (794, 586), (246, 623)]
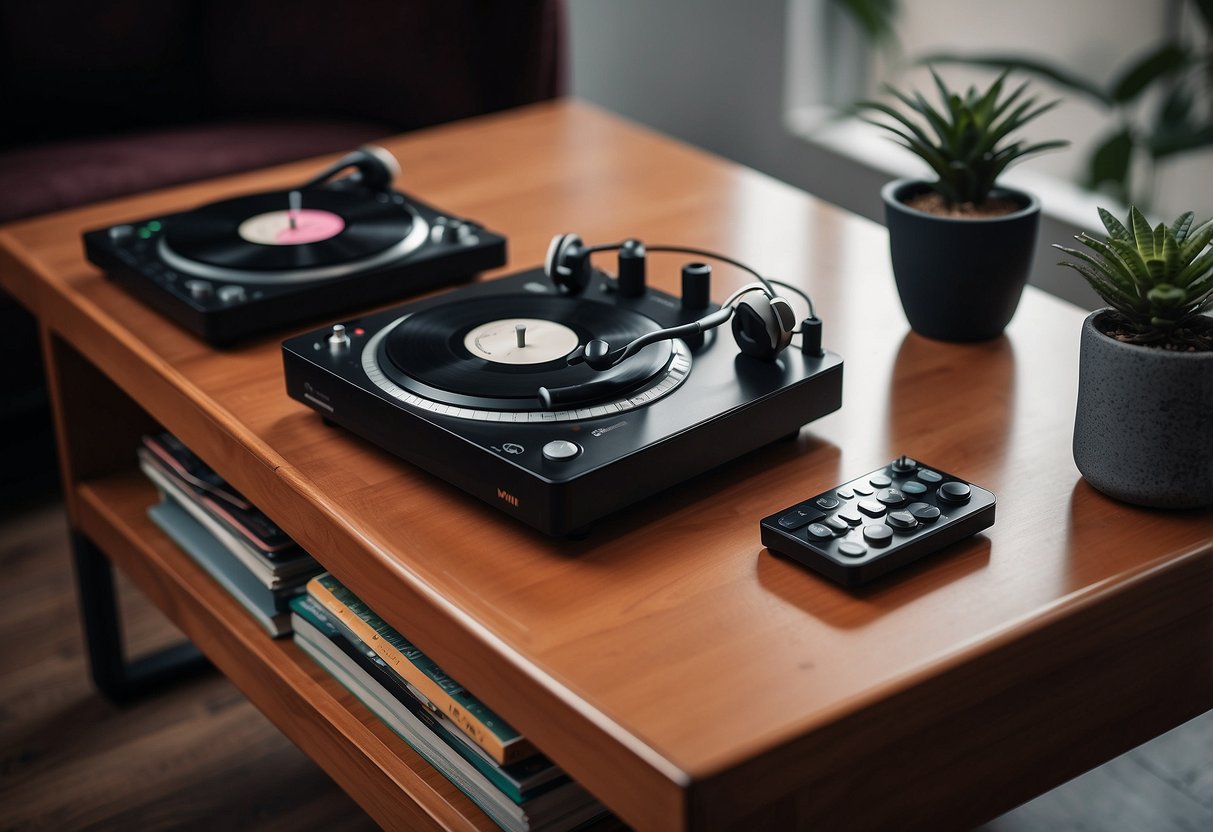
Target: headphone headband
[(762, 328)]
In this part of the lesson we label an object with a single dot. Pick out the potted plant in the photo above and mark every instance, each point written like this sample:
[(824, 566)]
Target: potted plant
[(961, 246), (1143, 432)]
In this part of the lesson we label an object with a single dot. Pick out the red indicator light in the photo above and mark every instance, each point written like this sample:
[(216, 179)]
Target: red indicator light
[(359, 331)]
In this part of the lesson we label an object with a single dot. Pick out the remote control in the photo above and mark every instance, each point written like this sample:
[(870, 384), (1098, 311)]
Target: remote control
[(864, 528)]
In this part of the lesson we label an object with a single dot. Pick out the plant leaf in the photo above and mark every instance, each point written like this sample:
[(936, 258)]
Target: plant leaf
[(1110, 163), (1115, 228), (1195, 242), (1055, 74), (1143, 236), (1111, 295), (1115, 272), (1166, 60), (1181, 226)]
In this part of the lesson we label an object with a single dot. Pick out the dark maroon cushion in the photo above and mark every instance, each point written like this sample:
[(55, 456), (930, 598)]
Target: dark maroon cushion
[(69, 68), (49, 177), (408, 64)]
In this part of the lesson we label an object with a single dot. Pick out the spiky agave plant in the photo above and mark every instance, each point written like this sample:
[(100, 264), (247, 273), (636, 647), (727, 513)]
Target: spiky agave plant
[(1159, 280), (964, 141)]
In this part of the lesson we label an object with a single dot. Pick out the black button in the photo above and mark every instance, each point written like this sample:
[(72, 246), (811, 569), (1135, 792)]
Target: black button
[(901, 520), (852, 549), (913, 487), (845, 493), (818, 530), (927, 475), (877, 534), (871, 508), (890, 496), (903, 465), (798, 517), (954, 492), (837, 524), (827, 502), (880, 481), (861, 491), (851, 516), (923, 512)]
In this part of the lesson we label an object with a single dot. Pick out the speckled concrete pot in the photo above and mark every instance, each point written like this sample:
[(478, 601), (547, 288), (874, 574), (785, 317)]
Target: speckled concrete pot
[(1144, 427)]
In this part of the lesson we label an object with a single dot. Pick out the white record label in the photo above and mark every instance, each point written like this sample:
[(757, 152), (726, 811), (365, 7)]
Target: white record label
[(498, 341)]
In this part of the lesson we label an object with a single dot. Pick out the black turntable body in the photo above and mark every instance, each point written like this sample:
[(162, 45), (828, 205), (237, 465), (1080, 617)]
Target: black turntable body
[(448, 384), (245, 266)]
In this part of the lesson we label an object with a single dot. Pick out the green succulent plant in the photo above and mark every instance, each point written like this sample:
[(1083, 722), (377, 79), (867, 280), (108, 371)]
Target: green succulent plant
[(964, 141), (1159, 279)]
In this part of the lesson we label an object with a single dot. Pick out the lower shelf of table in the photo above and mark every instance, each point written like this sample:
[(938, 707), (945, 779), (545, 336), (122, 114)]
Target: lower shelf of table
[(388, 779)]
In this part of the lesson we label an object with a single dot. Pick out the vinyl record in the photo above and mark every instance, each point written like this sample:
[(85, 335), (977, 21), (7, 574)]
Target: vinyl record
[(251, 233), (450, 352)]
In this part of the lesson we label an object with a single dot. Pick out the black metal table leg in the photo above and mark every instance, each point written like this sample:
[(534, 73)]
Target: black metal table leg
[(120, 679)]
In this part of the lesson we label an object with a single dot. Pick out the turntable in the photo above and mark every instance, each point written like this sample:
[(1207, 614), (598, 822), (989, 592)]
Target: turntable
[(562, 394), (245, 266)]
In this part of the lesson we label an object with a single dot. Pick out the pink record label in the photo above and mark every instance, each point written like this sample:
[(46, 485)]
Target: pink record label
[(273, 228)]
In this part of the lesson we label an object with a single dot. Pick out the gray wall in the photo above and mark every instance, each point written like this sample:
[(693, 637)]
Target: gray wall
[(711, 73)]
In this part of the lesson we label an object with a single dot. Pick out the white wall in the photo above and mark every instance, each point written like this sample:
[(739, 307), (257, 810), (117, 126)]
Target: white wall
[(712, 73)]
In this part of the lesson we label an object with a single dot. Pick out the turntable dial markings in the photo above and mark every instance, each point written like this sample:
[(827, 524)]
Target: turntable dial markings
[(290, 227), (521, 341)]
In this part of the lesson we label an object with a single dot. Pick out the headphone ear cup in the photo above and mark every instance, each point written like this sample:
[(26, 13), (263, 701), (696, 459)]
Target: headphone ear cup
[(758, 328), (567, 263)]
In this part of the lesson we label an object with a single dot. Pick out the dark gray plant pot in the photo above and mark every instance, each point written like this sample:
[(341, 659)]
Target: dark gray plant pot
[(1144, 427), (959, 279)]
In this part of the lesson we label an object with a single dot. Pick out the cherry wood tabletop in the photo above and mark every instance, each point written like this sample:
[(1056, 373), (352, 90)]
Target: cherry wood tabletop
[(686, 675)]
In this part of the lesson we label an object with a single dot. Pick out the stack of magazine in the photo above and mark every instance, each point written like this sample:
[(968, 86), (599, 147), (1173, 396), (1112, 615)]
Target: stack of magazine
[(500, 770), (239, 546)]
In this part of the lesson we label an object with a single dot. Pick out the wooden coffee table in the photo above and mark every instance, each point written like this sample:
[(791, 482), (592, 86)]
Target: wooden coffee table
[(685, 675)]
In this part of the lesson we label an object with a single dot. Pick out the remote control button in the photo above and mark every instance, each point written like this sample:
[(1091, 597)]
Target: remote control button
[(878, 534), (862, 491), (820, 531), (798, 517), (845, 493), (901, 520), (561, 450), (923, 512), (913, 487), (852, 549), (837, 524), (827, 502), (880, 481), (871, 508), (927, 475), (903, 465), (890, 496), (954, 492), (851, 516)]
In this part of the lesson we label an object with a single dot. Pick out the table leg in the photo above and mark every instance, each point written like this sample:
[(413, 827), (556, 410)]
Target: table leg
[(119, 679)]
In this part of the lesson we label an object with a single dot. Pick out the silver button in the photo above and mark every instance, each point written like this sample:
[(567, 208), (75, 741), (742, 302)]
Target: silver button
[(561, 450), (231, 294), (199, 289)]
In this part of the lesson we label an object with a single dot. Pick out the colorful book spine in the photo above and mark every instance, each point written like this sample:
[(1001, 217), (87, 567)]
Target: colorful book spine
[(473, 717)]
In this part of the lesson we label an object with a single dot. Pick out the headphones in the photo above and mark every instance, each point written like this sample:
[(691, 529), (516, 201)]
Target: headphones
[(375, 169), (763, 321)]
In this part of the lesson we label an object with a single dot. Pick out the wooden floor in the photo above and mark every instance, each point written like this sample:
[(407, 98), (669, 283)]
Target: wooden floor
[(199, 756)]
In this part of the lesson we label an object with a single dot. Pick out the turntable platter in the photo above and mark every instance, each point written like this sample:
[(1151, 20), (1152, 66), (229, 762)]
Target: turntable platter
[(291, 236), (466, 355)]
